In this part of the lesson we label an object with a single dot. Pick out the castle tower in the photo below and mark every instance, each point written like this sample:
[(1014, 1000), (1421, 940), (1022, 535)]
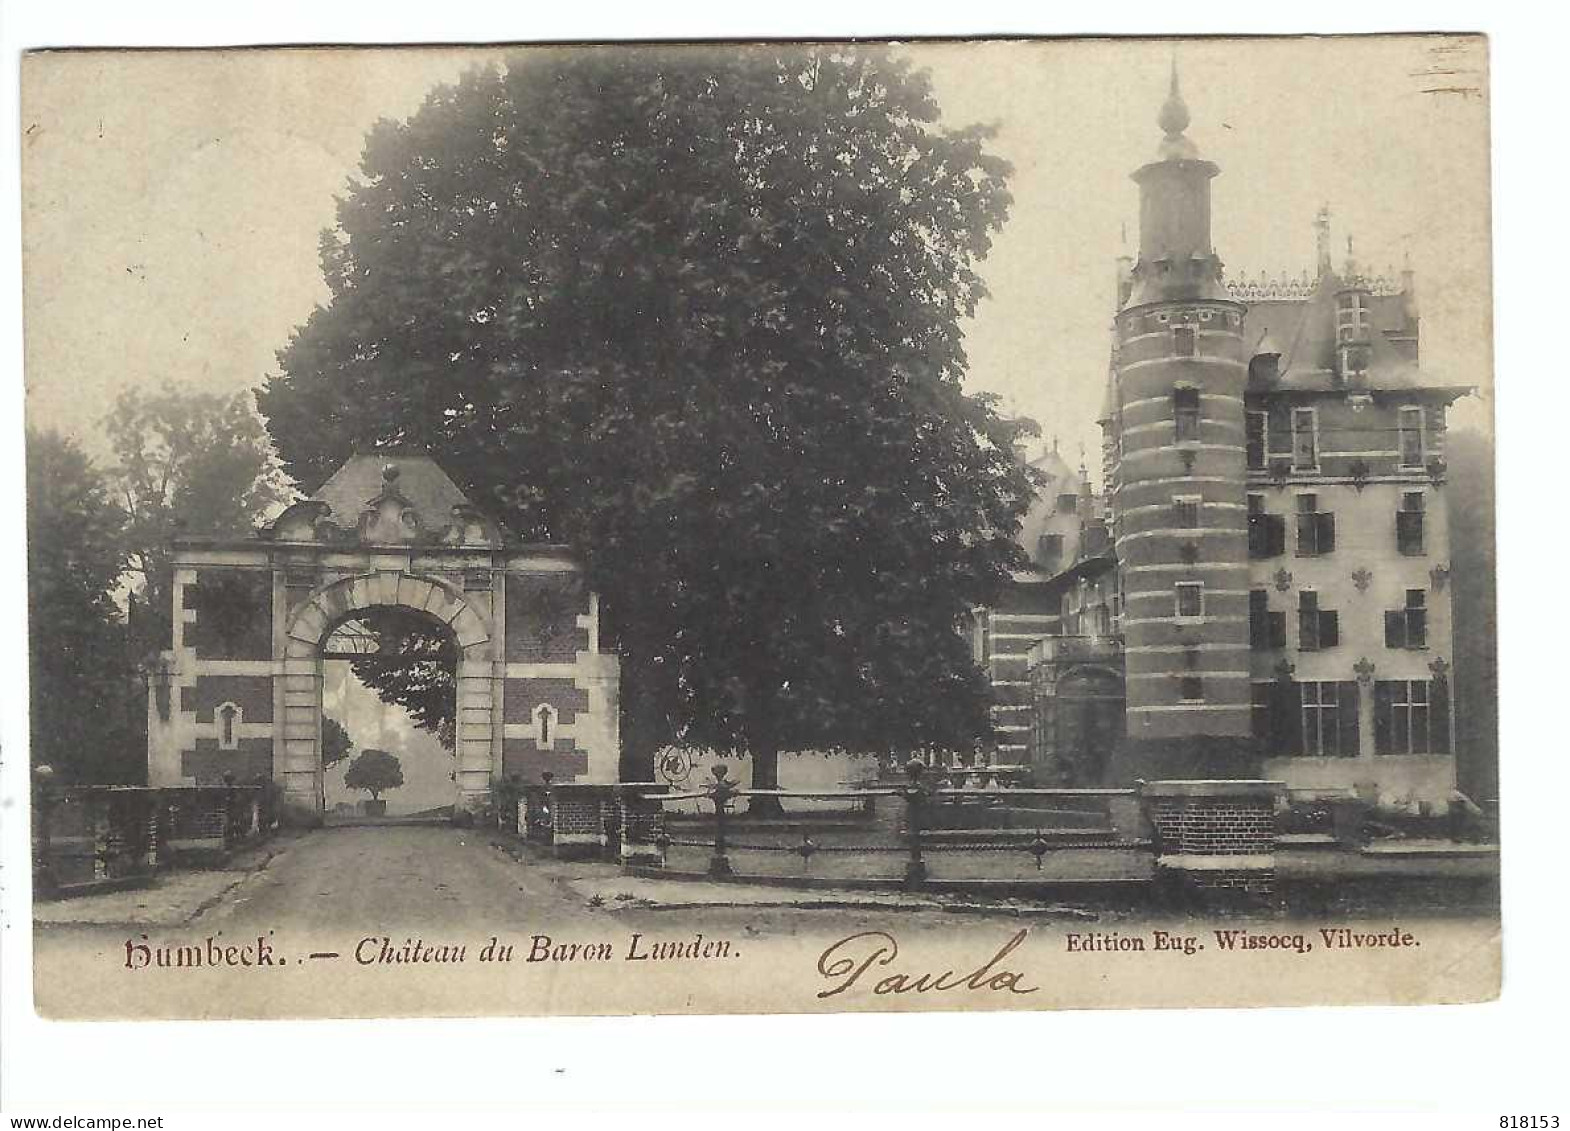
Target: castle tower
[(1182, 535)]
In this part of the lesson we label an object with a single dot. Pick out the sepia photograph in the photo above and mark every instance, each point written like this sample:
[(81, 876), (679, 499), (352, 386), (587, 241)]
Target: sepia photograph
[(760, 527)]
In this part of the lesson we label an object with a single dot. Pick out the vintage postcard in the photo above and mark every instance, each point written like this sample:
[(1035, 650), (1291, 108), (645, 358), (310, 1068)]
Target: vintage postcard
[(785, 527)]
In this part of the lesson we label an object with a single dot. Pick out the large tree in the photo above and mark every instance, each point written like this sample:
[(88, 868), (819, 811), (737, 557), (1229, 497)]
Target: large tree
[(696, 312), (88, 704), (190, 462)]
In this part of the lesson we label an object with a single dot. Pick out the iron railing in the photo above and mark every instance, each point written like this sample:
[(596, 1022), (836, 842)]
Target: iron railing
[(911, 832)]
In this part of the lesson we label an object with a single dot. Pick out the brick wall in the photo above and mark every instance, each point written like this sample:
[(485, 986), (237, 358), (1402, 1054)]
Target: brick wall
[(208, 764), (1214, 827), (1215, 836), (542, 619), (523, 757), (520, 697), (253, 694)]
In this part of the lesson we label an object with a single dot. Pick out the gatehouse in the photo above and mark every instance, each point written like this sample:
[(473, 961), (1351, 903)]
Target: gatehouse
[(238, 696)]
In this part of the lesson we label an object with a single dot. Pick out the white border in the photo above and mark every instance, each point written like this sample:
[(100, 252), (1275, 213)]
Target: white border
[(1490, 1059)]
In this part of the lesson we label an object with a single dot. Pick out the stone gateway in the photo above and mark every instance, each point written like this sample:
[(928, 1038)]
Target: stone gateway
[(238, 696)]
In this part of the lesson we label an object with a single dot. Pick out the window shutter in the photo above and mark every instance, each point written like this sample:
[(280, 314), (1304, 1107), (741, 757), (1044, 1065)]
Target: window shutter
[(1258, 619), (1382, 711), (1395, 629), (1277, 535), (1286, 723), (1278, 630), (1416, 628), (1348, 700), (1327, 531), (1439, 716), (1329, 629)]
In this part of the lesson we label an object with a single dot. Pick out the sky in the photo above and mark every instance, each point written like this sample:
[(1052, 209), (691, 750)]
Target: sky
[(372, 724), (173, 202)]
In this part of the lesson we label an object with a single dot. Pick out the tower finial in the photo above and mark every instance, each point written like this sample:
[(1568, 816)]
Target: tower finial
[(1173, 118), (1322, 238)]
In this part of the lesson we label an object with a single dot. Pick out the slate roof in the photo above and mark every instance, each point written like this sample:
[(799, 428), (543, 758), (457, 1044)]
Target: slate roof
[(1303, 332), (420, 480)]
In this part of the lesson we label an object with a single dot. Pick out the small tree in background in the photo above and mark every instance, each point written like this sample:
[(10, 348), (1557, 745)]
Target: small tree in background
[(375, 772), (336, 742)]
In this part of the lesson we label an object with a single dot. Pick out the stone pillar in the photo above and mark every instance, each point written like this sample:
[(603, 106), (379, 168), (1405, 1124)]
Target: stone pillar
[(1214, 837), (640, 823), (300, 773), (475, 728)]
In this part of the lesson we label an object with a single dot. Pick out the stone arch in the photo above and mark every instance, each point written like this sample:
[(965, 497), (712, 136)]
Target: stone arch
[(307, 629), (309, 624)]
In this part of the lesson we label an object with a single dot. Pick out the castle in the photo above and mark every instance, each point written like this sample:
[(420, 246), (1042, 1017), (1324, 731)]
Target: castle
[(1261, 589)]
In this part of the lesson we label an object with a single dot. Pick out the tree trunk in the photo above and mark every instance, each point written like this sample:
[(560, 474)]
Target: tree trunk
[(642, 729), (765, 775)]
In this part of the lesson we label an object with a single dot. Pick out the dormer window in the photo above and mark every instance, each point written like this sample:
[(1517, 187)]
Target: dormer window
[(1352, 318), (1183, 341)]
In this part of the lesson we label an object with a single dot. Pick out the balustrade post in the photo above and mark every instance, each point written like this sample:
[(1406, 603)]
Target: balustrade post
[(720, 793), (45, 879), (915, 796)]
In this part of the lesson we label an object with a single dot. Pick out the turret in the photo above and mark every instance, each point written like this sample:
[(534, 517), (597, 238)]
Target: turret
[(1176, 260), (1181, 530)]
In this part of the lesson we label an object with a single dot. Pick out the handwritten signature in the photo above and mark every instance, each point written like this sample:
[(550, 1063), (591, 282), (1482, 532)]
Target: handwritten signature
[(847, 961)]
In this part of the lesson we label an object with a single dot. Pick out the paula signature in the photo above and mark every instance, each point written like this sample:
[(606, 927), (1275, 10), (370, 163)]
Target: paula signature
[(847, 962)]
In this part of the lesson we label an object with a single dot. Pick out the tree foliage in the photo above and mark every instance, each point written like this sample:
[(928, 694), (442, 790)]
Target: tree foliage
[(336, 743), (192, 462), (415, 666), (375, 772), (89, 708), (696, 312)]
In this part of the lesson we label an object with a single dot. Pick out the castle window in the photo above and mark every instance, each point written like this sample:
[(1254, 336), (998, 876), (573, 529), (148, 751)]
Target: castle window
[(1316, 529), (1183, 341), (1305, 439), (1068, 503), (1411, 432), (1258, 435), (1407, 627), (1317, 629), (1409, 523), (229, 716), (1191, 687), (544, 716), (1411, 716), (1185, 510), (1049, 550), (1185, 413), (1266, 630), (1329, 719), (1351, 318), (1267, 533), (1190, 599)]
